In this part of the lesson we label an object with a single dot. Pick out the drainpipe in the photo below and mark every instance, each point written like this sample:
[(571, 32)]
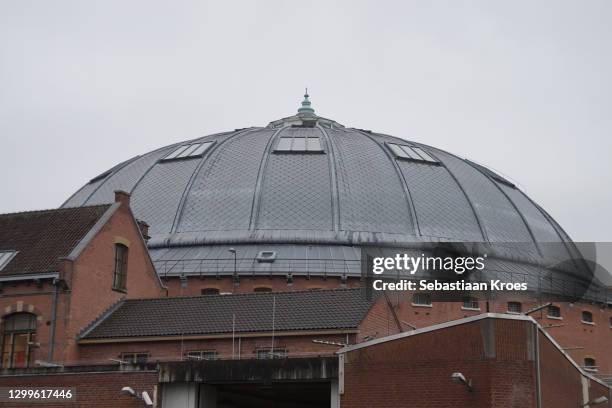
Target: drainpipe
[(53, 319), (537, 361)]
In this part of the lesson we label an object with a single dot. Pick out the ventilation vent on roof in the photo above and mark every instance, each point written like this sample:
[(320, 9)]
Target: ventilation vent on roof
[(492, 174), (5, 258), (299, 145), (414, 153), (266, 256), (100, 177), (189, 151)]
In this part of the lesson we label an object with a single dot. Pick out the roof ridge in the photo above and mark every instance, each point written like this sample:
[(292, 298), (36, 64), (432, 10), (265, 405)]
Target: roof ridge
[(50, 210)]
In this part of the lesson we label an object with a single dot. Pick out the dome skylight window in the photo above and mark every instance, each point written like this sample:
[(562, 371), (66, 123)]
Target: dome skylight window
[(189, 151), (299, 145), (408, 152)]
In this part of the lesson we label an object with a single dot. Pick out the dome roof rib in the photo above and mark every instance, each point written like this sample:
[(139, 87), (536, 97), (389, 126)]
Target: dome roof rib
[(333, 176), (257, 196), (518, 212), (404, 184), (198, 168)]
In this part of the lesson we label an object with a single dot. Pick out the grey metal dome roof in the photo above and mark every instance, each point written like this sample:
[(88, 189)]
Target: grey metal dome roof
[(356, 190), (314, 193)]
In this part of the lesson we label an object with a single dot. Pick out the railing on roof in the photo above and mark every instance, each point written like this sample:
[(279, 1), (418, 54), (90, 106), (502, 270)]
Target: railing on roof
[(280, 266)]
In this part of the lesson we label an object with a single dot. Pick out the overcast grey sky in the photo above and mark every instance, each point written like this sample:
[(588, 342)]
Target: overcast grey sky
[(522, 86)]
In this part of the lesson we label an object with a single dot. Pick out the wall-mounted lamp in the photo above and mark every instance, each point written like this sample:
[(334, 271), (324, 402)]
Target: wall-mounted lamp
[(459, 378), (144, 397)]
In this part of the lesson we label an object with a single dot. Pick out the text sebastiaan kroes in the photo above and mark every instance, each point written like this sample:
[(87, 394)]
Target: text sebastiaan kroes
[(404, 263)]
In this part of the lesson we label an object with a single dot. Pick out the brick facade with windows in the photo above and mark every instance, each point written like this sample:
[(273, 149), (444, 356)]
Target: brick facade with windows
[(74, 284), (101, 266)]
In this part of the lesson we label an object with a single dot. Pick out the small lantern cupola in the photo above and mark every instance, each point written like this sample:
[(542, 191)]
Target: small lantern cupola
[(306, 108)]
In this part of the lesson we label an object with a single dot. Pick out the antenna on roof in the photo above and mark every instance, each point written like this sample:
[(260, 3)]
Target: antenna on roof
[(233, 335), (273, 316)]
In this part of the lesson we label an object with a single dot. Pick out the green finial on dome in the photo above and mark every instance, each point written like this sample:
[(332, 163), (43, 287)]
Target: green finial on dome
[(306, 108)]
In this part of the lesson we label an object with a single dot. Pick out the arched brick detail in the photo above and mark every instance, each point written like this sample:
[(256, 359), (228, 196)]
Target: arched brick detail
[(20, 307)]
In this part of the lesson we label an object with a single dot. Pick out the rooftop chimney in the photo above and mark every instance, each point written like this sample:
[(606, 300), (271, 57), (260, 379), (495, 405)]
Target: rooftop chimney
[(122, 197), (144, 229)]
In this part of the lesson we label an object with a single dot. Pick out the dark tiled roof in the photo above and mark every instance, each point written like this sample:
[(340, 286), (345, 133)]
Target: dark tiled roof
[(42, 237), (212, 314)]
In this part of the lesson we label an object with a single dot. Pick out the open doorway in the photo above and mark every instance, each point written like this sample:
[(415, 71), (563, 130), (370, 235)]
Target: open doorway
[(286, 395)]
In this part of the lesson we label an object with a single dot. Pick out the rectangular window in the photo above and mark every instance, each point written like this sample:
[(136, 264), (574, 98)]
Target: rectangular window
[(470, 303), (19, 330), (409, 152), (515, 307), (587, 317), (267, 353), (314, 144), (554, 312), (5, 258), (284, 144), (299, 145), (421, 299), (120, 274), (590, 365), (189, 151), (201, 355), (134, 358)]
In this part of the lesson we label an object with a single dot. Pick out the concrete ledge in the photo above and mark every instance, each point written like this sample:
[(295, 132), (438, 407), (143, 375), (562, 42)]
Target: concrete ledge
[(252, 370)]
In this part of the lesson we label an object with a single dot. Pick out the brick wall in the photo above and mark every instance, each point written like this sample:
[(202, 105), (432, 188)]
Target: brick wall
[(92, 280), (562, 384), (89, 291), (28, 297), (297, 346), (92, 389), (416, 371), (498, 355), (249, 283), (378, 322), (583, 340)]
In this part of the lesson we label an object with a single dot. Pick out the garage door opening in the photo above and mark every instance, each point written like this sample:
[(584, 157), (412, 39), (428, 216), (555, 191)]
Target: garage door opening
[(286, 395)]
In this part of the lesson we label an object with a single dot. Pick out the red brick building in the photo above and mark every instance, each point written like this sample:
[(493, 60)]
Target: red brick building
[(246, 289), (66, 267), (259, 348), (504, 361)]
